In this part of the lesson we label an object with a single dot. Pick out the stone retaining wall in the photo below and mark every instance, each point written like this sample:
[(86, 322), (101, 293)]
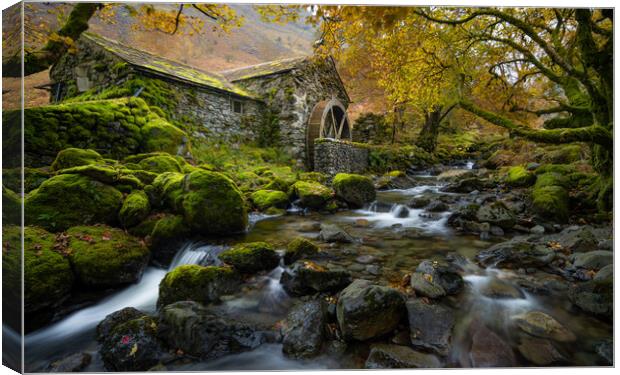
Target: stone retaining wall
[(332, 157)]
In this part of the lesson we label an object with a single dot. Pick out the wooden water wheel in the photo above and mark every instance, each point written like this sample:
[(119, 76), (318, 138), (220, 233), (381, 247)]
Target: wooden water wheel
[(328, 120)]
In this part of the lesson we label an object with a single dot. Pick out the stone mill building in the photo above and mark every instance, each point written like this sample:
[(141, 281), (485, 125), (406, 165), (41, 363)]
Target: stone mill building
[(304, 95)]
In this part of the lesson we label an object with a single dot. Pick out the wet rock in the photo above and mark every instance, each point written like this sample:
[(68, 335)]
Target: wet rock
[(373, 269), (132, 346), (300, 248), (496, 213), (118, 317), (489, 350), (605, 273), (309, 227), (516, 253), (197, 283), (437, 206), (577, 239), (304, 329), (594, 260), (401, 212), (365, 259), (605, 350), (73, 363), (539, 324), (430, 326), (365, 310), (537, 229), (606, 244), (306, 277), (383, 356), (362, 223), (354, 189), (497, 231), (424, 286), (539, 352), (501, 289), (594, 296), (466, 185), (444, 274), (333, 233), (194, 329), (251, 257), (419, 202)]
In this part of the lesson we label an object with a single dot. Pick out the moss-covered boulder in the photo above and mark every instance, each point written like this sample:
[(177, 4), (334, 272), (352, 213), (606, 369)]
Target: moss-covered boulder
[(102, 256), (311, 194), (551, 179), (47, 273), (300, 248), (160, 164), (168, 232), (212, 204), (136, 208), (167, 190), (119, 178), (551, 202), (264, 199), (313, 176), (519, 177), (354, 189), (564, 154), (251, 257), (197, 283), (33, 178), (249, 181), (71, 199), (74, 157), (11, 207), (160, 135)]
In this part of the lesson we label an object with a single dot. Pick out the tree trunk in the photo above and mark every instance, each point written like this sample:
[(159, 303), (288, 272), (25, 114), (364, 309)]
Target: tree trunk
[(427, 139)]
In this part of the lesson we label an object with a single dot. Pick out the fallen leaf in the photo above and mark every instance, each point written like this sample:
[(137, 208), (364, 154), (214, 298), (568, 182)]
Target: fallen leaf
[(134, 350), (106, 236)]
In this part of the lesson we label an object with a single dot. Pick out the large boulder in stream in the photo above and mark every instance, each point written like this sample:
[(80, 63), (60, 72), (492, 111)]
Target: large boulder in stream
[(467, 185), (365, 311), (306, 277), (496, 213), (539, 324), (304, 329), (300, 248), (71, 199), (430, 326), (251, 257), (384, 356), (519, 252), (424, 285), (197, 283), (105, 327), (200, 332), (354, 189), (442, 273), (132, 346), (488, 349), (334, 233), (311, 194), (595, 296), (102, 256)]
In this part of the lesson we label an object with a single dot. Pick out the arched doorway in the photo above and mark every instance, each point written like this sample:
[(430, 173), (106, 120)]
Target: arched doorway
[(328, 120)]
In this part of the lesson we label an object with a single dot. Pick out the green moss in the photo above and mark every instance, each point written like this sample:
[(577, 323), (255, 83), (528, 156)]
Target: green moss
[(11, 207), (160, 164), (396, 174), (33, 178), (103, 256), (212, 204), (106, 174), (551, 179), (197, 283), (279, 184), (251, 257), (354, 189), (564, 154), (70, 199), (160, 135), (263, 199), (249, 181), (300, 248), (136, 208), (551, 202), (311, 194), (519, 176), (168, 190), (313, 176), (73, 157), (168, 229), (48, 278)]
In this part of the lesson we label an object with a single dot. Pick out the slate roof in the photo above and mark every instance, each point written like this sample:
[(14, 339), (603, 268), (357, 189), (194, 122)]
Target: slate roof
[(264, 69), (168, 68)]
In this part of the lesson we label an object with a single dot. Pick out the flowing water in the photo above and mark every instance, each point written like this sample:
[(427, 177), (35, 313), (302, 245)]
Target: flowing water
[(391, 240)]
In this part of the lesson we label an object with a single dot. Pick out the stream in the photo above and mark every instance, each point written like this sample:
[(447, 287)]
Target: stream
[(393, 239)]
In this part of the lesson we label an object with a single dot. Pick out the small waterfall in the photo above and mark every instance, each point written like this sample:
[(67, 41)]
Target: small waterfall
[(385, 215), (78, 327)]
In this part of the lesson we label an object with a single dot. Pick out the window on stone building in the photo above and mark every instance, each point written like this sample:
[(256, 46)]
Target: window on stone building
[(237, 106)]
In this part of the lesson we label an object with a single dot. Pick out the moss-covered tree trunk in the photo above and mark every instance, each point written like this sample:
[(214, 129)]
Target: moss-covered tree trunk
[(427, 139)]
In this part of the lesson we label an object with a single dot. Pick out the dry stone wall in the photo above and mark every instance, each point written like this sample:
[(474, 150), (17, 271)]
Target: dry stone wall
[(332, 157)]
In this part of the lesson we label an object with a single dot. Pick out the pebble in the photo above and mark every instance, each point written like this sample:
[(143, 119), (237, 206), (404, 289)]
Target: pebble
[(373, 269), (365, 259)]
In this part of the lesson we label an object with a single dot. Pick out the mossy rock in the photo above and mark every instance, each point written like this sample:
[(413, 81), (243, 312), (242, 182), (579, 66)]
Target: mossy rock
[(160, 164), (279, 184), (249, 181), (551, 202), (48, 278), (103, 256), (197, 283), (168, 190), (132, 161), (70, 199), (396, 174), (519, 177), (264, 199), (556, 168), (565, 154), (160, 135), (311, 194), (136, 208), (106, 174), (145, 177), (300, 248), (212, 204), (354, 189), (251, 257), (33, 178), (551, 179), (74, 157), (146, 226), (313, 176), (11, 207)]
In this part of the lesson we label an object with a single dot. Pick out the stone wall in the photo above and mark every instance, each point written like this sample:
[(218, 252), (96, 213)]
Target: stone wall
[(203, 112), (294, 94), (332, 157)]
